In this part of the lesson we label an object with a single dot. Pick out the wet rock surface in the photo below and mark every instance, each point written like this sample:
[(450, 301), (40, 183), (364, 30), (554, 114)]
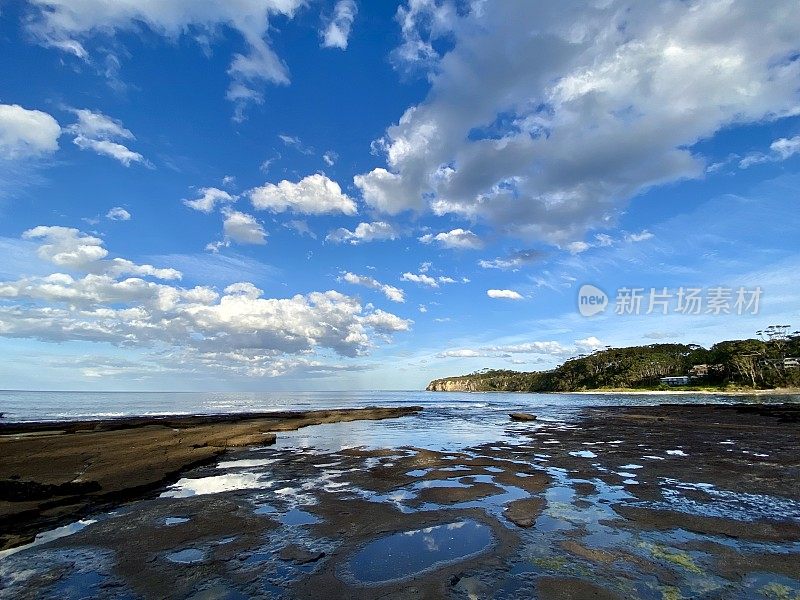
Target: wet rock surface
[(657, 502), (521, 416), (55, 472)]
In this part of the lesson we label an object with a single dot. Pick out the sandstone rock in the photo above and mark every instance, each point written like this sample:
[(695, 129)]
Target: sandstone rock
[(521, 416)]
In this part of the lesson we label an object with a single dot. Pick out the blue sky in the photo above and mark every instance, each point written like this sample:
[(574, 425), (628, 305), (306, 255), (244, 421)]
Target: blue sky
[(289, 194)]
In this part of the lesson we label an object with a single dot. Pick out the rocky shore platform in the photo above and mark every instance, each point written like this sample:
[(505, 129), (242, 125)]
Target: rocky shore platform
[(55, 472), (661, 502)]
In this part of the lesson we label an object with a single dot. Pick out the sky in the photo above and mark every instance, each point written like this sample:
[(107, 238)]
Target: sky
[(341, 194)]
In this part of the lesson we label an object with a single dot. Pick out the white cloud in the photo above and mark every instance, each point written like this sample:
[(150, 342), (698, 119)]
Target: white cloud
[(312, 195), (780, 149), (98, 132), (292, 141), (569, 120), (386, 322), (423, 277), (786, 147), (118, 214), (238, 330), (590, 343), (550, 348), (117, 267), (26, 133), (73, 250), (392, 293), (604, 240), (209, 198), (338, 28), (507, 294), (65, 25), (422, 22), (330, 158), (66, 247), (515, 261), (457, 238), (642, 236), (386, 192), (111, 149), (215, 247), (364, 232), (461, 353), (577, 247), (243, 228), (301, 227), (96, 125), (420, 278)]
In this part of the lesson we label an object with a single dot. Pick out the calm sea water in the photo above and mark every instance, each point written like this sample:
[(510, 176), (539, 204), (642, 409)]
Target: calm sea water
[(449, 419), (32, 406)]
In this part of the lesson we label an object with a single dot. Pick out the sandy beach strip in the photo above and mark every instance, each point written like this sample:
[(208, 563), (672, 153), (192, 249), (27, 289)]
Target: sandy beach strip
[(629, 392)]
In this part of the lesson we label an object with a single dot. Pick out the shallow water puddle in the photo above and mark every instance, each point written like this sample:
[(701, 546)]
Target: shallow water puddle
[(215, 484), (298, 517), (418, 472), (49, 536), (410, 553), (187, 556), (583, 454), (246, 463)]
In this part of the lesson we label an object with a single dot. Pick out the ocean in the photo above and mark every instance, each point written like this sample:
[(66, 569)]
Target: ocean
[(449, 419)]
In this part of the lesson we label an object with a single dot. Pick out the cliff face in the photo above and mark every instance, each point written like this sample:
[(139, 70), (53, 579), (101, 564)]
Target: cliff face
[(453, 385)]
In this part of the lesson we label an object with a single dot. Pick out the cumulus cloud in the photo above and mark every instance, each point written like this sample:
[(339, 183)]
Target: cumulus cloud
[(461, 239), (312, 195), (507, 294), (589, 344), (243, 228), (337, 31), (66, 247), (423, 278), (387, 192), (237, 329), (392, 293), (420, 278), (364, 232), (27, 133), (569, 120), (74, 250), (101, 134), (210, 197), (118, 214), (67, 25)]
